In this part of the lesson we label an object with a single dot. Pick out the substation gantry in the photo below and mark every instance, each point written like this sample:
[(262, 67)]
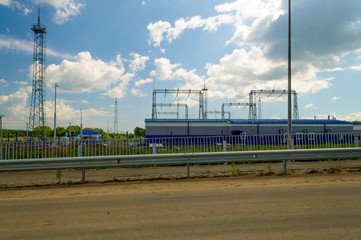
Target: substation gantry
[(202, 94), (220, 112), (256, 93), (161, 105), (232, 105)]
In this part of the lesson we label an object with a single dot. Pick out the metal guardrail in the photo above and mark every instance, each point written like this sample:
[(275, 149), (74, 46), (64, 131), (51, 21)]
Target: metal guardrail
[(179, 159)]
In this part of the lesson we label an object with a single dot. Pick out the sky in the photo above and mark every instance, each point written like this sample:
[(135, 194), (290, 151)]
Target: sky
[(101, 50)]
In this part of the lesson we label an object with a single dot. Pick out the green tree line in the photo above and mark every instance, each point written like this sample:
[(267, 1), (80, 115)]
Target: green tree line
[(70, 131)]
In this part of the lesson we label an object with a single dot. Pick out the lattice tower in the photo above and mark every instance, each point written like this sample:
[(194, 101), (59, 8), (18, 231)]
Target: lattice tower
[(37, 108)]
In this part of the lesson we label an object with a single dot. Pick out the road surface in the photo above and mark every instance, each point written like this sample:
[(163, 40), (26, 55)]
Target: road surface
[(319, 206)]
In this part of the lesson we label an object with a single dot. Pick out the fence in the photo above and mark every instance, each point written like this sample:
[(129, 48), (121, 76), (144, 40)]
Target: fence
[(142, 146)]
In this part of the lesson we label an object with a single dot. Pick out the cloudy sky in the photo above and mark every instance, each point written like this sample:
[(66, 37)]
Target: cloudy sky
[(101, 50)]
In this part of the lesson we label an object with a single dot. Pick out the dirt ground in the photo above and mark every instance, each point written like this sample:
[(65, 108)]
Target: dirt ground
[(295, 206), (71, 176)]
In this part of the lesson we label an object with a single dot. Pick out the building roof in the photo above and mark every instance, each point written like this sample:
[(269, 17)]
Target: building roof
[(91, 132), (256, 121), (285, 121)]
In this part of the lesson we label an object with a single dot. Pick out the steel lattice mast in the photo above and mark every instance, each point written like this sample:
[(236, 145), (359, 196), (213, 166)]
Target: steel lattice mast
[(37, 108)]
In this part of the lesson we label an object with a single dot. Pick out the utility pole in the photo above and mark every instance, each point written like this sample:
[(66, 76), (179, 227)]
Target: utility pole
[(289, 133), (290, 140), (56, 85), (27, 131), (69, 130), (116, 116)]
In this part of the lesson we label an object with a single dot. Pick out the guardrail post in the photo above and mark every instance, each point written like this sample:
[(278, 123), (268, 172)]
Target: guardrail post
[(80, 153), (356, 142), (225, 148), (284, 167), (154, 148), (188, 170)]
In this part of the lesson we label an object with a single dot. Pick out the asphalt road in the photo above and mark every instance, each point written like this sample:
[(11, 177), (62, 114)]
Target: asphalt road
[(272, 207)]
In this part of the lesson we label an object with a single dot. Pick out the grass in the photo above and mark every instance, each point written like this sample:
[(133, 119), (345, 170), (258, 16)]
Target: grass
[(337, 168), (59, 175)]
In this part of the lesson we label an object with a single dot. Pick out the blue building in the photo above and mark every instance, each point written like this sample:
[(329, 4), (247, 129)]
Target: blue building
[(156, 128)]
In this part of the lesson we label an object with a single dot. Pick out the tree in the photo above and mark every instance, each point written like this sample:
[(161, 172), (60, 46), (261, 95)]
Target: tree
[(48, 132), (60, 131), (139, 132), (73, 130)]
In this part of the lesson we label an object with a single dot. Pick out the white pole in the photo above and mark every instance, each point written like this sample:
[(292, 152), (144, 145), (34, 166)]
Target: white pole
[(81, 124), (56, 85)]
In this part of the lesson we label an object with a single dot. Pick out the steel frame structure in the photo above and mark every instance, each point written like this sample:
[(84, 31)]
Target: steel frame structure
[(217, 112), (232, 105), (202, 99), (37, 106), (174, 105), (255, 93)]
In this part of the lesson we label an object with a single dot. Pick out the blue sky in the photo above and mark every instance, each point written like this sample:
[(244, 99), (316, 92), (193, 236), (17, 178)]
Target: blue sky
[(101, 50)]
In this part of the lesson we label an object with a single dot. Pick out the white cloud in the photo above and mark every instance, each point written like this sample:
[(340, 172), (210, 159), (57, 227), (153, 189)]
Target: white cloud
[(351, 117), (168, 71), (86, 74), (65, 10), (243, 70), (10, 43), (66, 114), (138, 63), (164, 69), (137, 92), (2, 81), (13, 106), (119, 90), (260, 61), (335, 98), (143, 81), (189, 101), (143, 3), (337, 69), (355, 116), (16, 5), (21, 82), (251, 15), (158, 29), (309, 106), (356, 68)]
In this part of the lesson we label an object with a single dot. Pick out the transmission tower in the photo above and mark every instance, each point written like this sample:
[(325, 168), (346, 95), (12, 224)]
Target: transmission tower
[(116, 116), (37, 108)]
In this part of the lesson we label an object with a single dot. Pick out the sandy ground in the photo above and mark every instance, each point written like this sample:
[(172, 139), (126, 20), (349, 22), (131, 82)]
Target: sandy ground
[(308, 206), (45, 177)]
